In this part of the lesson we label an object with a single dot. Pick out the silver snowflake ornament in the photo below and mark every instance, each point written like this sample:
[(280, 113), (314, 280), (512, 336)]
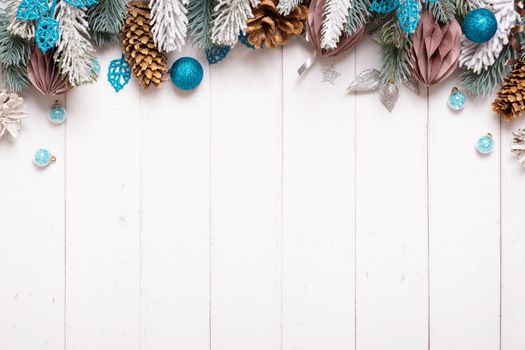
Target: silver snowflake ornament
[(11, 113), (329, 74), (518, 146)]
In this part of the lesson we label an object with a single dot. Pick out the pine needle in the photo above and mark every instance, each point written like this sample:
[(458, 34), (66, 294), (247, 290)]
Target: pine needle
[(488, 81), (200, 17), (443, 10), (358, 15), (13, 49), (394, 52), (14, 78), (106, 18)]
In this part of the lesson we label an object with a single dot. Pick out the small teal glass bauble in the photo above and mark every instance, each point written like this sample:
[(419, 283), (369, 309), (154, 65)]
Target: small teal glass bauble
[(57, 114), (95, 66), (186, 73), (456, 100), (480, 25), (485, 144), (43, 158)]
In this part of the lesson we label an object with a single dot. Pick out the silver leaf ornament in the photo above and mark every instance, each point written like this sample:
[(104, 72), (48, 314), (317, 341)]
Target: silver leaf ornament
[(518, 145), (389, 95), (412, 84), (367, 80)]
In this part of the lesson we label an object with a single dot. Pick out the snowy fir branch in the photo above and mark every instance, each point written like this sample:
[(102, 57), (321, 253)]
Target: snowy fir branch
[(169, 23), (443, 10), (394, 52), (74, 54), (286, 6), (200, 17), (489, 80), (335, 14), (23, 29), (105, 20), (358, 15), (230, 18)]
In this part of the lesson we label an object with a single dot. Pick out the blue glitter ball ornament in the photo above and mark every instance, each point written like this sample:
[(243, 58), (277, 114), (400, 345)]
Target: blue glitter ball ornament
[(456, 100), (43, 158), (186, 73), (57, 114), (480, 25), (485, 144)]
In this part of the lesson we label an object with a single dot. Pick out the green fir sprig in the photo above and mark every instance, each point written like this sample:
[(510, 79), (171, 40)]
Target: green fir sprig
[(487, 81), (358, 15), (105, 20), (14, 54), (394, 52), (465, 6), (443, 10), (200, 17)]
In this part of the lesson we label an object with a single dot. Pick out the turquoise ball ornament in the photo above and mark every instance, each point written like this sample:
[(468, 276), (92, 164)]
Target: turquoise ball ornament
[(186, 73), (485, 144), (43, 158), (480, 25), (57, 114), (456, 100)]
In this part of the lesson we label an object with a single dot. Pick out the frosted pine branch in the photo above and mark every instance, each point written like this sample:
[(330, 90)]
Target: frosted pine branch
[(74, 53), (230, 18), (286, 6), (335, 14), (169, 23), (23, 29)]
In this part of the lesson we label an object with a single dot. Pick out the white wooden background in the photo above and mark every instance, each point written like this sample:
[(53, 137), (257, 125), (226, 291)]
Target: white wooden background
[(261, 212)]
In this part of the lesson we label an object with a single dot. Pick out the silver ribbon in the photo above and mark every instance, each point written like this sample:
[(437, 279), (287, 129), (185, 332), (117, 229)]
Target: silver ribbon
[(310, 61)]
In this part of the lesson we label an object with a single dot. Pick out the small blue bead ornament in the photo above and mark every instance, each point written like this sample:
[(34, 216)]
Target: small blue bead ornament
[(408, 15), (43, 158), (485, 144), (480, 25), (119, 73), (32, 10), (456, 100), (95, 66), (216, 54), (57, 114), (186, 73)]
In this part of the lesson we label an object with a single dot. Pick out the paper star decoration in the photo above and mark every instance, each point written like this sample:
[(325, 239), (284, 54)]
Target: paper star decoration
[(329, 74)]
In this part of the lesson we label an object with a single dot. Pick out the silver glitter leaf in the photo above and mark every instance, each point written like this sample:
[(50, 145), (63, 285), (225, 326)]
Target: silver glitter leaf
[(367, 80), (388, 95), (412, 84), (518, 145)]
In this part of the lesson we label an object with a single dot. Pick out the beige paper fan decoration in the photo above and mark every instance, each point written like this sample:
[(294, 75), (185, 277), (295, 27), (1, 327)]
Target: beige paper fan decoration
[(44, 75)]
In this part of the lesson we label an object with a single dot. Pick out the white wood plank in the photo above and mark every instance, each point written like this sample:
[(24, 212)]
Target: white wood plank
[(246, 200), (513, 243), (175, 224), (319, 174), (32, 234), (391, 219), (464, 226), (103, 222)]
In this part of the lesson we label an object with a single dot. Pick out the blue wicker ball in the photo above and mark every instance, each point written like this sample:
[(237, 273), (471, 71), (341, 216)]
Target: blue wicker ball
[(480, 25), (186, 73)]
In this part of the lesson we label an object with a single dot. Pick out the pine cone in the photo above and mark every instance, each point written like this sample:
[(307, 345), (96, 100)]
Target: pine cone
[(268, 28), (510, 103), (148, 65)]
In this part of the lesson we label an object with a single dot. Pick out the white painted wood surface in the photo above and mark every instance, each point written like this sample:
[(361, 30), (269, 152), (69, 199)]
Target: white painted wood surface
[(262, 211)]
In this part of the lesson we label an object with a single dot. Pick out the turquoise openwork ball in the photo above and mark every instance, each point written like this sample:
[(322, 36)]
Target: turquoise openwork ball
[(186, 73), (480, 25)]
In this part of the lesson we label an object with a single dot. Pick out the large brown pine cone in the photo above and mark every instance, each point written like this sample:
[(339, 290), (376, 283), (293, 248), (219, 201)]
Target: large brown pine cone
[(268, 28), (148, 65), (510, 101)]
